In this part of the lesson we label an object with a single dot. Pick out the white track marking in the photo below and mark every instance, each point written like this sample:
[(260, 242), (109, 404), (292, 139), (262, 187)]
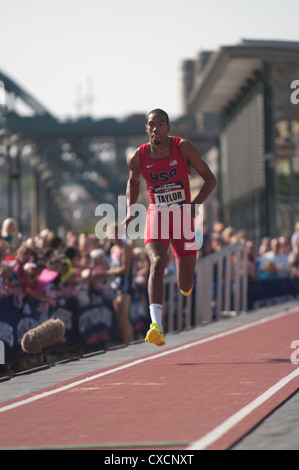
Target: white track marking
[(57, 390), (227, 425)]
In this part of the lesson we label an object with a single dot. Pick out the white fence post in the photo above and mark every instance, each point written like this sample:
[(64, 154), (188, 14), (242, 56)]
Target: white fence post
[(220, 286)]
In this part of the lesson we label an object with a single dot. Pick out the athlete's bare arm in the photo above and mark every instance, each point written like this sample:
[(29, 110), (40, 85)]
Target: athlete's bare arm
[(133, 185), (194, 160)]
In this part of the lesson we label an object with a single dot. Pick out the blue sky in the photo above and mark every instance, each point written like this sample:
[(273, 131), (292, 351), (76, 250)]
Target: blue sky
[(127, 54)]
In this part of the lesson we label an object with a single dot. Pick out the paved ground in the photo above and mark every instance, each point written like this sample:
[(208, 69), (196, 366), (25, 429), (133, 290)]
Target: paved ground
[(277, 432)]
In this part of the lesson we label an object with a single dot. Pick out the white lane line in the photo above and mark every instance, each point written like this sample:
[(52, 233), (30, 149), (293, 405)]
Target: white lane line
[(70, 385), (226, 426)]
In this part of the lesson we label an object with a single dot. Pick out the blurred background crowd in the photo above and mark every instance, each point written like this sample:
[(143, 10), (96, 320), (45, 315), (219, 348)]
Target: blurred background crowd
[(48, 267)]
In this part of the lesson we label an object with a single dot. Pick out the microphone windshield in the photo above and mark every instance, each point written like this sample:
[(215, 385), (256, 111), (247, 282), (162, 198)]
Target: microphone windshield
[(44, 335)]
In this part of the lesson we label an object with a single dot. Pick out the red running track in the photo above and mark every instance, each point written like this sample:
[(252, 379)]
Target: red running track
[(205, 394)]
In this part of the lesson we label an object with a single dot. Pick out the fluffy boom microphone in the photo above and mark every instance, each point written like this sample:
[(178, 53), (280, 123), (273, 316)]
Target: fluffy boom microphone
[(44, 335)]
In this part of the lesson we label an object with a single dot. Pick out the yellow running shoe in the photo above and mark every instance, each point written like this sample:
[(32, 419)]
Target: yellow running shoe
[(187, 293), (155, 335)]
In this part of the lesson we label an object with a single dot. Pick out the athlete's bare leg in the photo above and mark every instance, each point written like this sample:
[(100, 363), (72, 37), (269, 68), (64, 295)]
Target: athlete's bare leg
[(185, 272), (157, 253)]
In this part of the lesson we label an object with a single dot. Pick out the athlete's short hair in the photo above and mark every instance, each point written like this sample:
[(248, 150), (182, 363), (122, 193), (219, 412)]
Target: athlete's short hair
[(159, 111)]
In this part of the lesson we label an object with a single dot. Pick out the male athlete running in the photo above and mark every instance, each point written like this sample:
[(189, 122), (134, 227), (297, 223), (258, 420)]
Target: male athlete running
[(165, 164)]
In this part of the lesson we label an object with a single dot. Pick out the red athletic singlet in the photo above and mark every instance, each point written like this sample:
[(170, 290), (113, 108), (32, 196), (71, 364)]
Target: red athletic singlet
[(167, 178), (168, 187)]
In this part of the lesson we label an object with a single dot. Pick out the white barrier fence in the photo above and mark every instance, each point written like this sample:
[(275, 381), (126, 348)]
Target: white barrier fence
[(220, 288)]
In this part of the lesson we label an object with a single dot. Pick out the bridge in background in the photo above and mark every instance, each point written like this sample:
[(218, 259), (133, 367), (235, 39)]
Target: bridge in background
[(71, 166), (84, 154)]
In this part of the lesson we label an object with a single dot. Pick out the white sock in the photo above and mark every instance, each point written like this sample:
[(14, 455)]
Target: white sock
[(156, 314)]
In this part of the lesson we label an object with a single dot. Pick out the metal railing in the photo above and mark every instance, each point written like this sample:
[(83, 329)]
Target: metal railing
[(220, 288)]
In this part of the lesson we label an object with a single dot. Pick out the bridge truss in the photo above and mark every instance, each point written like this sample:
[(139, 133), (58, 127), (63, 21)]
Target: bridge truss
[(73, 166), (68, 167)]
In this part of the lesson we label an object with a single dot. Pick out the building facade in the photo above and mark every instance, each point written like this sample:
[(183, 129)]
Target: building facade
[(253, 89)]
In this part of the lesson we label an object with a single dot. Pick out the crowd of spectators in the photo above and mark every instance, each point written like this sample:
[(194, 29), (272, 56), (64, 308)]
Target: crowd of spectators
[(81, 262), (73, 267), (273, 258)]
